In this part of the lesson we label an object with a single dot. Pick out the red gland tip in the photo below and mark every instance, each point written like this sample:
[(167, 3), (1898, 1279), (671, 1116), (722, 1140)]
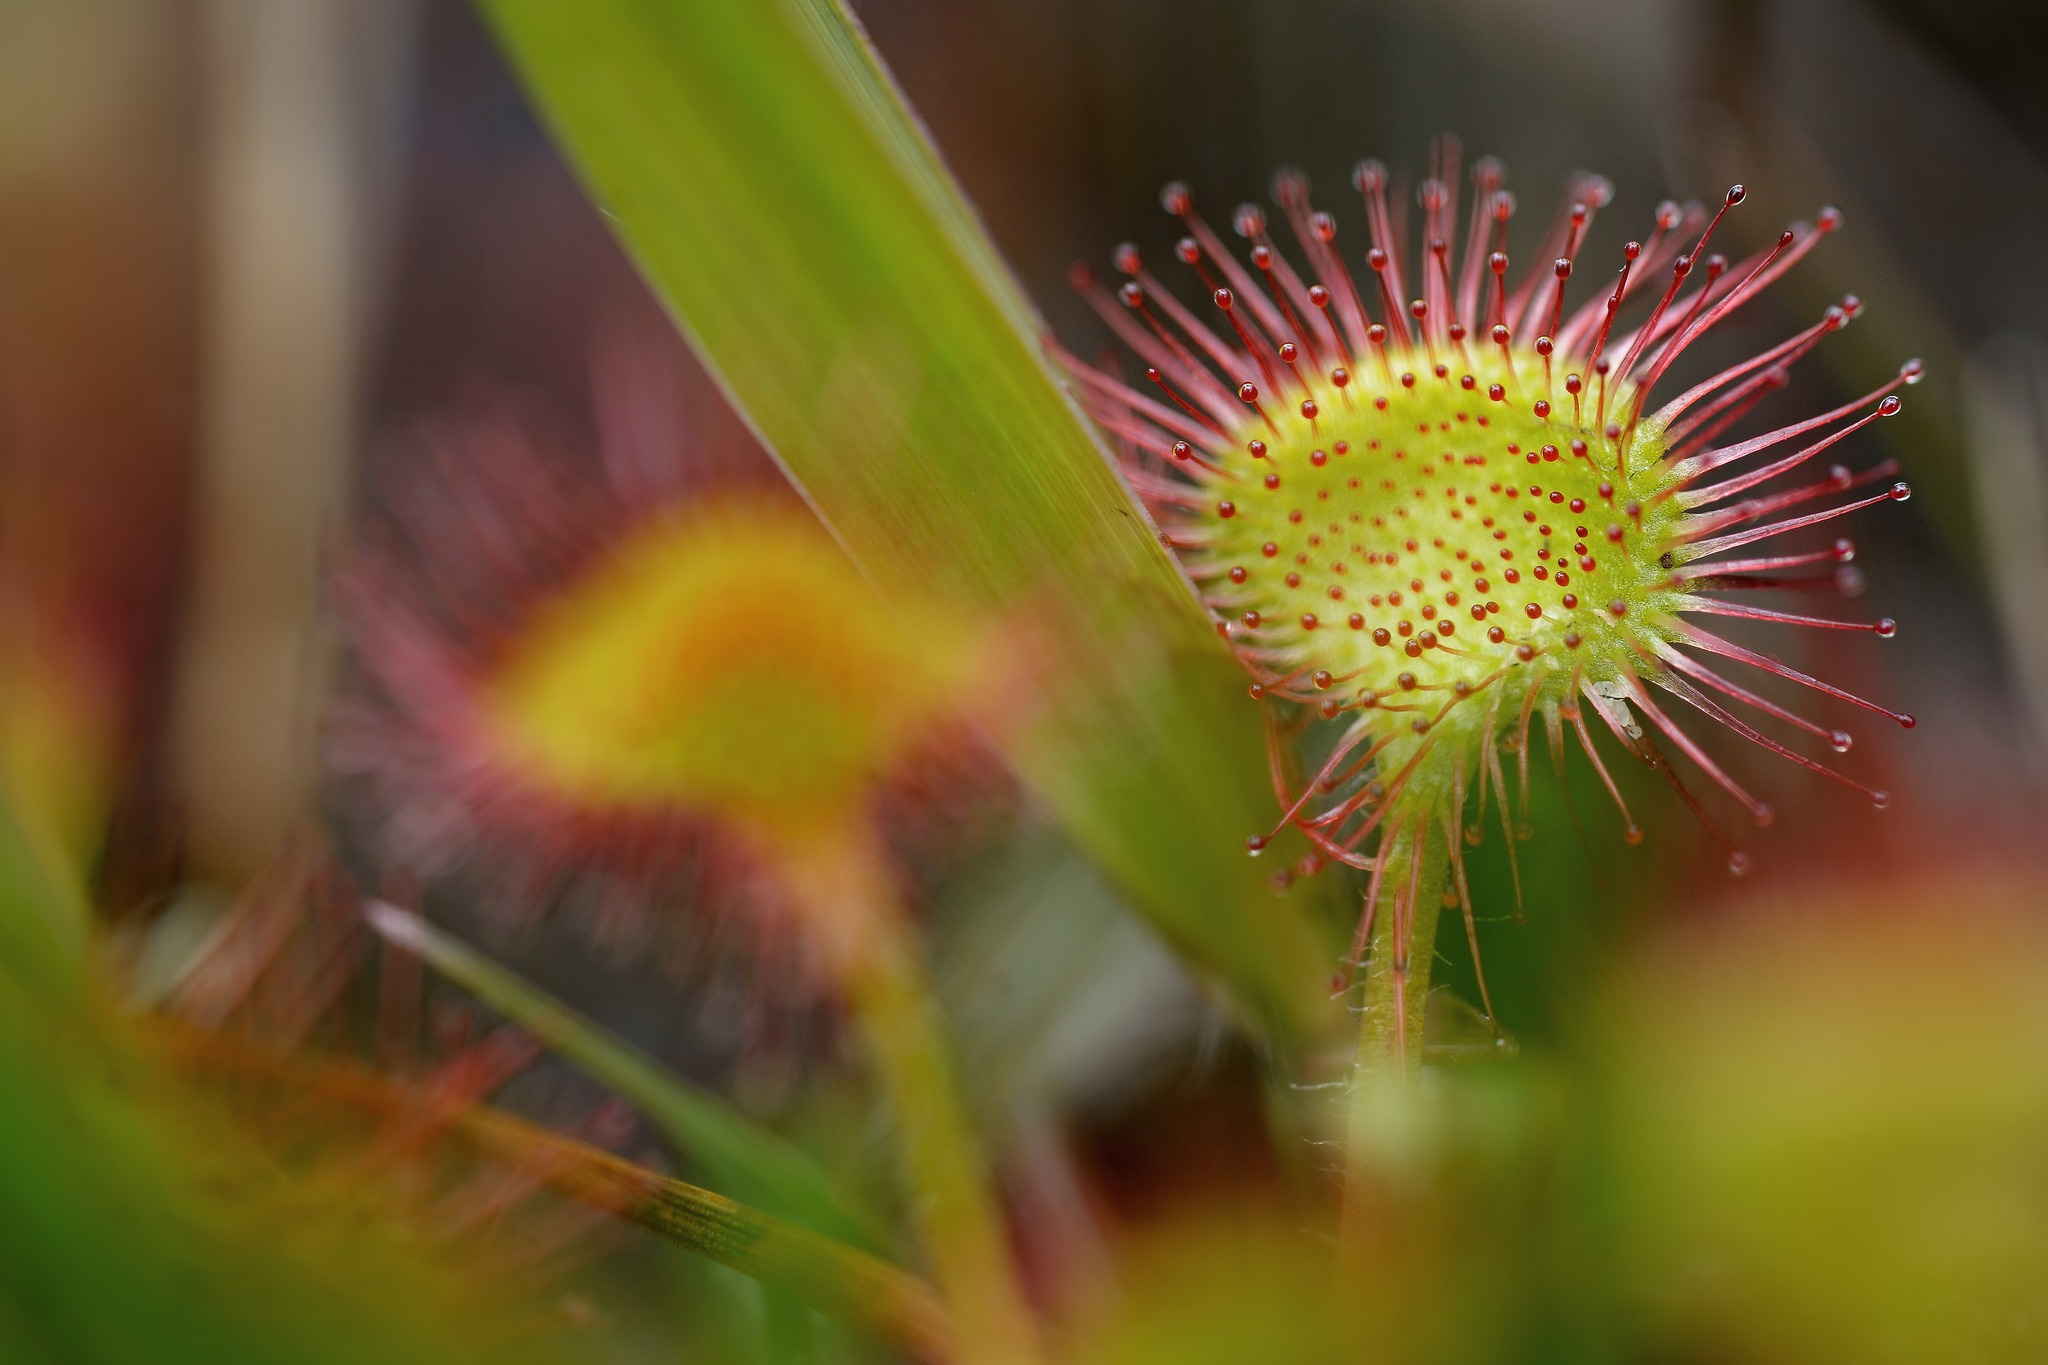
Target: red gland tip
[(1255, 845)]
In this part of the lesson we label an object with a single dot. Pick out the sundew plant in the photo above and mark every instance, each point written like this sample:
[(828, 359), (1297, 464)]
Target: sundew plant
[(1445, 523)]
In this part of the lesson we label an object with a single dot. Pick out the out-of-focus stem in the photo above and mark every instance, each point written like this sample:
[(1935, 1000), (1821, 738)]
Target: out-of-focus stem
[(300, 101), (845, 892)]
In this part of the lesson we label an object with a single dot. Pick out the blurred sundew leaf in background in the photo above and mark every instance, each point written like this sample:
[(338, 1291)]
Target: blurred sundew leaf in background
[(776, 193)]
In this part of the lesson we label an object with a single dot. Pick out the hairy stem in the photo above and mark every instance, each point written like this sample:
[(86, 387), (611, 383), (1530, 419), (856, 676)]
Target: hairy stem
[(1383, 1138), (845, 890)]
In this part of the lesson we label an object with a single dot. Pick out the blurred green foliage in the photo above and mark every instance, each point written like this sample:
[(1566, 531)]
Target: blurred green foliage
[(137, 1223), (1822, 1129)]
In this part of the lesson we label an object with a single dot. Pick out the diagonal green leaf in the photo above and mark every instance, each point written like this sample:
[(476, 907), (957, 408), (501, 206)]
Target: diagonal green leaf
[(745, 1159), (765, 174)]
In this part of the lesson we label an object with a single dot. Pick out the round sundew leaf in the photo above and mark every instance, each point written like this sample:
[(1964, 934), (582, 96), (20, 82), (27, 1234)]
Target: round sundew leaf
[(725, 662)]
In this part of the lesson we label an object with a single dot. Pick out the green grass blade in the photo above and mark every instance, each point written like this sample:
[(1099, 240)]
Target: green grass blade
[(747, 1160), (881, 1298), (777, 194), (884, 1299)]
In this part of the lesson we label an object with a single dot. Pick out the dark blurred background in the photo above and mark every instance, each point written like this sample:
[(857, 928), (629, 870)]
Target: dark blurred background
[(246, 245)]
